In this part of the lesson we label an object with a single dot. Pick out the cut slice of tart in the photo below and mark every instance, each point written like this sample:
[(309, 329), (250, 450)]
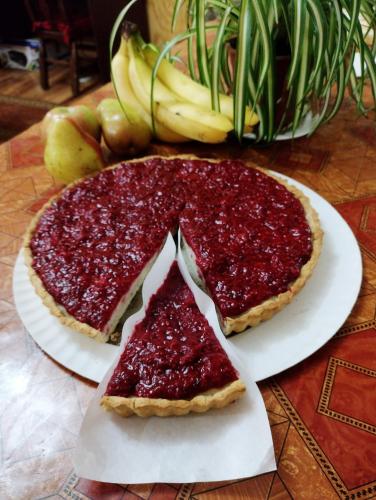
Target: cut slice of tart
[(252, 242), (172, 363), (89, 249)]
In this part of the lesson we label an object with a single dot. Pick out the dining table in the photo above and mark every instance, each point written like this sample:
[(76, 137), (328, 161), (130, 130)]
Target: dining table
[(322, 411)]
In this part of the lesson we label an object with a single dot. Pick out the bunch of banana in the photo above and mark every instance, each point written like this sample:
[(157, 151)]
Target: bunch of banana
[(191, 91), (124, 91), (181, 107)]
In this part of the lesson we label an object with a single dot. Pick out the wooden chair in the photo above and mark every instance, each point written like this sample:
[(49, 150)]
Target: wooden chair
[(65, 22)]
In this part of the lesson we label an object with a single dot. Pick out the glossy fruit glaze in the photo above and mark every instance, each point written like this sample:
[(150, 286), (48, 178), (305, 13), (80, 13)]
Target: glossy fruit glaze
[(173, 352), (248, 232), (94, 240)]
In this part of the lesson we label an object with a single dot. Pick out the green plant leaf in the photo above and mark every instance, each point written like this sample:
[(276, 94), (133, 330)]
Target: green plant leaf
[(115, 28), (217, 58), (175, 13), (241, 67), (341, 86), (262, 25), (301, 89), (113, 34), (226, 72), (319, 118), (275, 8), (202, 50), (224, 6), (321, 29), (256, 107), (353, 14), (299, 14), (336, 38)]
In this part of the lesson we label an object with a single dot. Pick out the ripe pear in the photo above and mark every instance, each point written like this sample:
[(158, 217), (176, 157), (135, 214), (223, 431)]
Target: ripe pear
[(123, 130), (83, 116), (70, 152)]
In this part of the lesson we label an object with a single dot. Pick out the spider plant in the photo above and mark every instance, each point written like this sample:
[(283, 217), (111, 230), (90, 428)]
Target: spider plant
[(321, 38)]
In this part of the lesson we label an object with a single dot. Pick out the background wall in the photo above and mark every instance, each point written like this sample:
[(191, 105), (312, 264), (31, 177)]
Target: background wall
[(159, 19)]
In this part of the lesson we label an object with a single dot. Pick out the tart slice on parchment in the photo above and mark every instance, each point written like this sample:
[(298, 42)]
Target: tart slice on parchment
[(172, 363), (210, 446)]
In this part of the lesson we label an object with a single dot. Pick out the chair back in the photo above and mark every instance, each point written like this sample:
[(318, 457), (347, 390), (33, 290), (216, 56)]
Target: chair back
[(68, 19), (56, 11)]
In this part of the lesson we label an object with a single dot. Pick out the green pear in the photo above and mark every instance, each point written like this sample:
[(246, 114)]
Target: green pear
[(71, 153), (83, 116), (123, 130)]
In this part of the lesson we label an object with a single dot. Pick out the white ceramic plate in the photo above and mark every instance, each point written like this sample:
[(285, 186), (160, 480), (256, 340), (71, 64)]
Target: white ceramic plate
[(296, 332)]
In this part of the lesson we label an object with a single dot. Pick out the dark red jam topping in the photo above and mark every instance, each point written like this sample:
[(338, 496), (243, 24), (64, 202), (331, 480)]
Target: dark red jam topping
[(93, 242), (173, 352), (249, 235), (248, 232)]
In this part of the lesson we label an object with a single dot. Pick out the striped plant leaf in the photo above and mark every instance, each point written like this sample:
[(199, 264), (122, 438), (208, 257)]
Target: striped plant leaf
[(217, 59), (175, 13), (301, 88), (241, 66), (321, 25), (298, 21), (202, 50)]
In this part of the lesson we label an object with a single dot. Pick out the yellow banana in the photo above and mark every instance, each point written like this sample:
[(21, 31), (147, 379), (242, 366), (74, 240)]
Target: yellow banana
[(189, 90), (120, 72), (208, 118), (119, 69), (163, 95), (169, 109)]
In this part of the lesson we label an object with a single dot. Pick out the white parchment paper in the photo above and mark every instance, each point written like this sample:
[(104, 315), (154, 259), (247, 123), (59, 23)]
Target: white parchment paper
[(229, 443)]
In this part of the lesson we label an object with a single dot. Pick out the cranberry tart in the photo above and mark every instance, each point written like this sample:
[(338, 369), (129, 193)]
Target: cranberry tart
[(172, 363), (251, 239)]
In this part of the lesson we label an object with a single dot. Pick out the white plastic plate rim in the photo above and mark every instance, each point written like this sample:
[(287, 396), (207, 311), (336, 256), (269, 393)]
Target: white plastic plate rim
[(295, 333), (75, 351)]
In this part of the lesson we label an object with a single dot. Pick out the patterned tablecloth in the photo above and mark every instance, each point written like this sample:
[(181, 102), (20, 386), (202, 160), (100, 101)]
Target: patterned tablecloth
[(322, 412)]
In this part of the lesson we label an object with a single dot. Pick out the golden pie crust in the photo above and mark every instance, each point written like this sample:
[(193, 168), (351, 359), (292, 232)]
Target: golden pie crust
[(268, 308), (252, 317), (147, 407), (57, 310)]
